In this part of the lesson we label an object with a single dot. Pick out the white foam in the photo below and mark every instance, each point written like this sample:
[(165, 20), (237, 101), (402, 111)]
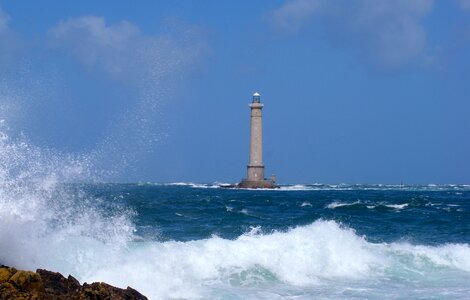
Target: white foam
[(296, 187), (179, 183), (245, 211), (195, 185), (329, 187), (316, 256), (455, 256), (205, 186), (336, 204), (45, 225), (397, 206), (301, 257)]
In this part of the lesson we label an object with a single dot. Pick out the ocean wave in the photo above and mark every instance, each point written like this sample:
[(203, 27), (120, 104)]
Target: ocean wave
[(178, 183), (296, 187), (336, 204), (195, 185), (373, 187), (44, 224), (47, 223), (330, 187), (304, 257), (396, 206), (322, 255)]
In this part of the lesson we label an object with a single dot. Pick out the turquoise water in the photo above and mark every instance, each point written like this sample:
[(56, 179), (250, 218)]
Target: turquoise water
[(201, 241), (303, 241), (429, 215)]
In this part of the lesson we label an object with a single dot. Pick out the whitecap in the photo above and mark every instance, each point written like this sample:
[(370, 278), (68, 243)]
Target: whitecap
[(335, 204), (322, 254), (397, 206)]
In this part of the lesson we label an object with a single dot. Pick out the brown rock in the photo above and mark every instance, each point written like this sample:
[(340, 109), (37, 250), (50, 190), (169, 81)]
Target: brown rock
[(6, 273), (27, 281), (7, 290), (45, 285), (101, 290), (56, 284)]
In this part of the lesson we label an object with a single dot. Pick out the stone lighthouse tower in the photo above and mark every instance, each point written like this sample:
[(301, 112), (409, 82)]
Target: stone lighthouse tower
[(255, 170)]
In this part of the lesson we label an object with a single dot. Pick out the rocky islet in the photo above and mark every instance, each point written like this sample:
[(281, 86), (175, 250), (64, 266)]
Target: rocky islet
[(44, 284)]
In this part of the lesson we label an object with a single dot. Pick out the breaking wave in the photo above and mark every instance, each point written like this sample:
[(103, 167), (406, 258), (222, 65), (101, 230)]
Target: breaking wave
[(46, 222), (322, 255), (332, 187), (336, 204)]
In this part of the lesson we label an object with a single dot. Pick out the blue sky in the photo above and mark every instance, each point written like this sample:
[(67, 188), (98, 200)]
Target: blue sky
[(365, 91)]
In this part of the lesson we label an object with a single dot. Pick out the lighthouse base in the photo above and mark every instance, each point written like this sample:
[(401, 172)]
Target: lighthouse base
[(257, 184)]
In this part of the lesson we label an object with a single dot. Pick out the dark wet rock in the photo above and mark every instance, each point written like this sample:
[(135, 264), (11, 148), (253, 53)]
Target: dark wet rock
[(97, 289), (56, 284), (44, 284)]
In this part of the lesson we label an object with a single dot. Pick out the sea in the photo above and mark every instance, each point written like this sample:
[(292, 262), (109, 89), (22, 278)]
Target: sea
[(188, 240), (204, 241)]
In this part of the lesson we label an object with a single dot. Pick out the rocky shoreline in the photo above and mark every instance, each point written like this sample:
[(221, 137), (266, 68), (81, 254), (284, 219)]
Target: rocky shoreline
[(43, 284)]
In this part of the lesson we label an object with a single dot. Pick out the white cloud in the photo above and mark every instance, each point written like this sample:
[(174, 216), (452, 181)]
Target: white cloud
[(8, 42), (122, 51), (294, 14), (151, 64), (464, 4), (390, 33), (464, 32), (4, 18)]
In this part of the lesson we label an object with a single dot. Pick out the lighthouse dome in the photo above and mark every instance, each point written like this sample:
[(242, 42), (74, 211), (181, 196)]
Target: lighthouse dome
[(256, 98)]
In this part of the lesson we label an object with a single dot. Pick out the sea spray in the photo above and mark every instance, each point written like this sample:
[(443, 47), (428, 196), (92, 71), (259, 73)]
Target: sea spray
[(45, 221), (317, 258), (49, 219)]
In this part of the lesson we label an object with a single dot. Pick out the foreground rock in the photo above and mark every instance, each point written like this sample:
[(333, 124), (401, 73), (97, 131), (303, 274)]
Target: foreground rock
[(43, 284)]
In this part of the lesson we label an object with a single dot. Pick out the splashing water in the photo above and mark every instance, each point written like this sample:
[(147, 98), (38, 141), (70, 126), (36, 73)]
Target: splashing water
[(45, 221), (48, 219)]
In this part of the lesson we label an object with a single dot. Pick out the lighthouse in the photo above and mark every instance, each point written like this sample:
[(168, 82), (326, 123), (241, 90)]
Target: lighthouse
[(255, 169)]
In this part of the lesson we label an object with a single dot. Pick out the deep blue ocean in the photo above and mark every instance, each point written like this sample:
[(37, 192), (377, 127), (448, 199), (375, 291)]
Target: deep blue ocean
[(201, 241)]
